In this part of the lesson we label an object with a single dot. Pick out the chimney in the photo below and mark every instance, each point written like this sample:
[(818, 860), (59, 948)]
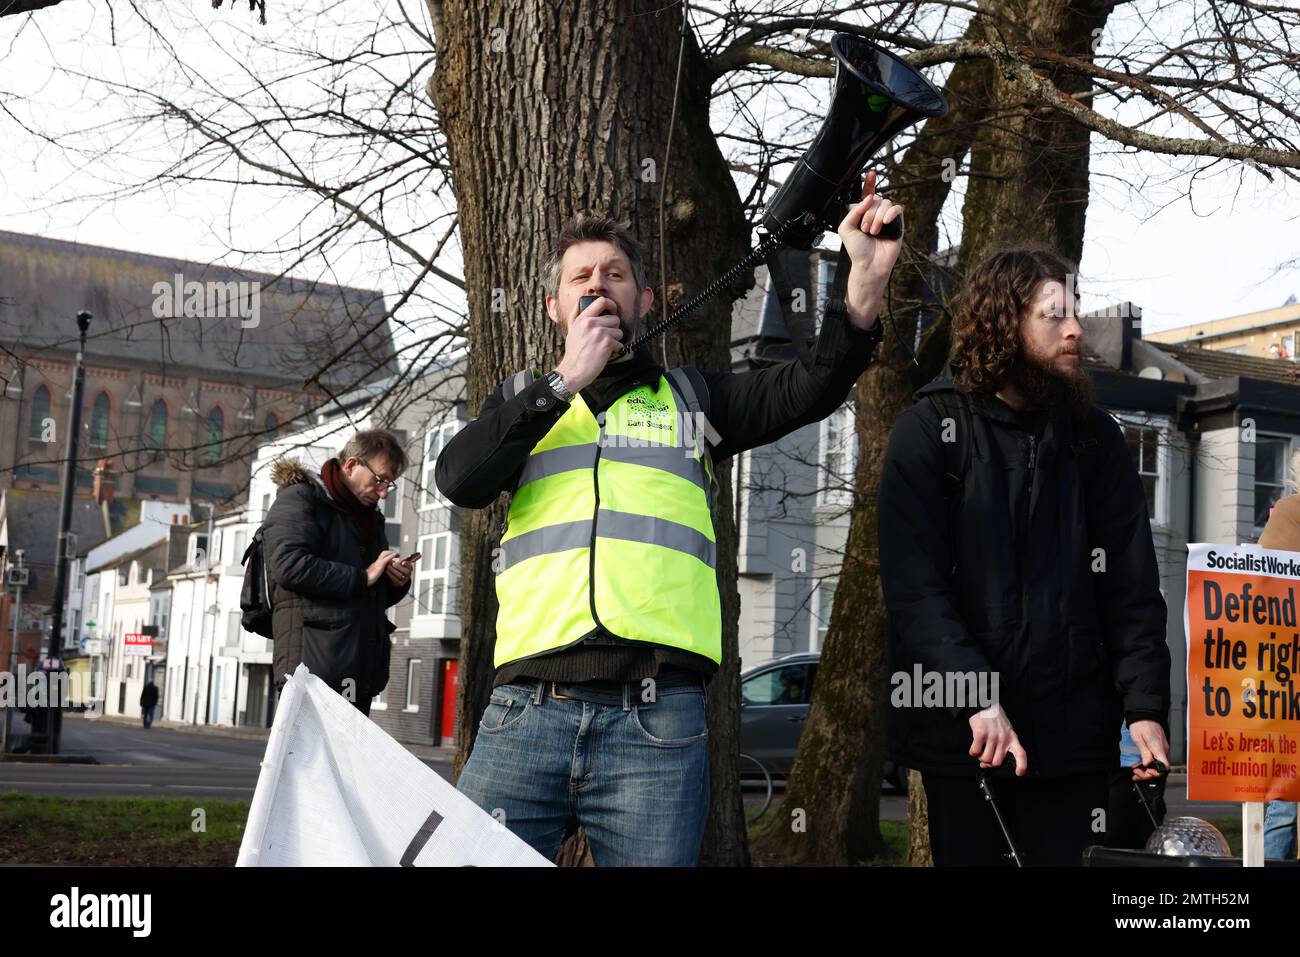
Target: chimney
[(104, 491), (1131, 330)]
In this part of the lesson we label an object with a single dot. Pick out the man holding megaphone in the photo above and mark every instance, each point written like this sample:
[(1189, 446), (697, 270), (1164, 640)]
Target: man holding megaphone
[(609, 627)]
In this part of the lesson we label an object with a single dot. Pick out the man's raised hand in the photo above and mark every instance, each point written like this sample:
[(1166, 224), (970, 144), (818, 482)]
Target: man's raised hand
[(872, 258)]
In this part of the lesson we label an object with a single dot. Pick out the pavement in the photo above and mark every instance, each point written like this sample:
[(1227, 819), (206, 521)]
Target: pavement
[(442, 753)]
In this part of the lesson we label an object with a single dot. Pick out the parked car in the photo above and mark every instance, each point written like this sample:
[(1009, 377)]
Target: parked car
[(774, 698)]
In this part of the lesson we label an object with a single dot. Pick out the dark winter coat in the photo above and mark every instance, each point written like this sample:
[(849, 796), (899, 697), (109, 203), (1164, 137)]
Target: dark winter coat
[(1076, 635), (325, 615), (149, 696)]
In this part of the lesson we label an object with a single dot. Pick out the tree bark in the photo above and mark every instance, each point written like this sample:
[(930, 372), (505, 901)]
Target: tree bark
[(554, 109), (834, 787)]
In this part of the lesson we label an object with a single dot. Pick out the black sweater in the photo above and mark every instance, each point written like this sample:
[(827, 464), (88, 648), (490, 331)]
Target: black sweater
[(748, 409)]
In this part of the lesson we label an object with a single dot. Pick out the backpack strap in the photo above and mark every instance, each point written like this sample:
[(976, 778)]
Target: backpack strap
[(690, 385), (956, 457), (518, 382)]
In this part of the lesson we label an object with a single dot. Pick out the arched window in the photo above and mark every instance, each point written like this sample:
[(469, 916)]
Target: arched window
[(216, 432), (99, 422), (272, 426), (40, 412), (157, 437)]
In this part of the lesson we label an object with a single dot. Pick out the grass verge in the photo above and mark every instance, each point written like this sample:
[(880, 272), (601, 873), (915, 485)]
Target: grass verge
[(121, 832)]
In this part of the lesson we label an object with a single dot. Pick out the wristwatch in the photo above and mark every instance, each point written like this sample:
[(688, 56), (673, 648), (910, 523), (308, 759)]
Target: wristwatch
[(556, 382)]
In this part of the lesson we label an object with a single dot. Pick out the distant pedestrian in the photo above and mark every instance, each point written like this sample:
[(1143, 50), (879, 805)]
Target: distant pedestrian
[(148, 701)]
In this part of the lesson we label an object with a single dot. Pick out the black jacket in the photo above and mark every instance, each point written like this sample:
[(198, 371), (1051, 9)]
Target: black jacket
[(1075, 650), (324, 614), (149, 695)]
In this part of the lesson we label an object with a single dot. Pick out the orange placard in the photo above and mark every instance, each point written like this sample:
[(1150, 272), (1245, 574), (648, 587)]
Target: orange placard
[(1243, 700)]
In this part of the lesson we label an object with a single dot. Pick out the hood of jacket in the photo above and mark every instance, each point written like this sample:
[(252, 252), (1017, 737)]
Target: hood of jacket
[(286, 473)]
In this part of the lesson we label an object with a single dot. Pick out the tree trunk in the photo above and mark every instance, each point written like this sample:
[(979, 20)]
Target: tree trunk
[(835, 784), (1028, 180), (554, 109), (1029, 171)]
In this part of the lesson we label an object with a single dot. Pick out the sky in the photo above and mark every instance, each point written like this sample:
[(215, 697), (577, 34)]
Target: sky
[(1186, 246)]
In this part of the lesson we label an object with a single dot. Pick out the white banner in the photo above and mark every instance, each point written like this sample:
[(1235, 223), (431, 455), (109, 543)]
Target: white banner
[(337, 790)]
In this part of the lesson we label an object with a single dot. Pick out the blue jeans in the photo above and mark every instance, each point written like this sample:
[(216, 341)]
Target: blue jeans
[(1279, 830), (634, 774)]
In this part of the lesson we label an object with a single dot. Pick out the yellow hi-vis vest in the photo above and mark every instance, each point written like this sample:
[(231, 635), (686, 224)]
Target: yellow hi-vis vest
[(611, 524)]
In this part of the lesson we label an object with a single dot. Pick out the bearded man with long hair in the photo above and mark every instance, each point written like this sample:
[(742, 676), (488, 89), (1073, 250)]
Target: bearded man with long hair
[(1017, 561)]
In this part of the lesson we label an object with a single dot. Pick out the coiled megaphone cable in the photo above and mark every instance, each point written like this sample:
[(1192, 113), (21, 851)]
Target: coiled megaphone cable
[(768, 245)]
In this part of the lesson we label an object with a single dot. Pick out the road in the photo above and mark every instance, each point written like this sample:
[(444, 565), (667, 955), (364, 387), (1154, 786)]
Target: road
[(160, 762)]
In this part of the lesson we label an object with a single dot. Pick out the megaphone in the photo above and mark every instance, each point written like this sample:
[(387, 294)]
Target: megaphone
[(876, 96)]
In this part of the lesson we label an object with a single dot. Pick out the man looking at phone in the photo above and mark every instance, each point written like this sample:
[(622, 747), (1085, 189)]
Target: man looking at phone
[(609, 624), (333, 574)]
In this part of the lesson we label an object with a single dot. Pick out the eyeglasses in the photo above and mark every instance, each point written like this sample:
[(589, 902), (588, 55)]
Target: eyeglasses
[(379, 479)]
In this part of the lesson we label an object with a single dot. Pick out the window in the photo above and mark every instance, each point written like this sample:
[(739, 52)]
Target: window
[(819, 612), (413, 684), (1144, 446), (198, 550), (431, 574), (791, 684), (1147, 442), (157, 437), (838, 458), (272, 426), (232, 629), (99, 422), (438, 437), (216, 433), (40, 412), (240, 543), (391, 505), (266, 505), (1270, 475)]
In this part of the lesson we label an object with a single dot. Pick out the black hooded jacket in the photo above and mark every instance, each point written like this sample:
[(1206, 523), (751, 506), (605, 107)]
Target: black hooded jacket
[(324, 614), (1055, 586)]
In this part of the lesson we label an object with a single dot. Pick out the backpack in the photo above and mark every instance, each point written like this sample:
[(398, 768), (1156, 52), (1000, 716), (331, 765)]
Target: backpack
[(255, 594)]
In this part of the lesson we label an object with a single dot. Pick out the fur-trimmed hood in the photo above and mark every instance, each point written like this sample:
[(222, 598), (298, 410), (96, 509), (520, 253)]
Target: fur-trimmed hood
[(286, 472)]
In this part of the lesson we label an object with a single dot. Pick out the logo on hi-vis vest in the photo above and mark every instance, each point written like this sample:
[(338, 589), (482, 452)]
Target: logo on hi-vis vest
[(647, 412)]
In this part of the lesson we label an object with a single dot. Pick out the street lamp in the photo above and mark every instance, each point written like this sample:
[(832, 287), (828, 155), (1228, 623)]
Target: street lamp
[(54, 716)]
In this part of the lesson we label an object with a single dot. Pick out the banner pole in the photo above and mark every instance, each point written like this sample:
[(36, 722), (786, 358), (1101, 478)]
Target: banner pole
[(1252, 834)]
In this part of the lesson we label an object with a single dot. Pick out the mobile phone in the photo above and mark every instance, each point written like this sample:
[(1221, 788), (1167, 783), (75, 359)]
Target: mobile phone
[(585, 301), (411, 559)]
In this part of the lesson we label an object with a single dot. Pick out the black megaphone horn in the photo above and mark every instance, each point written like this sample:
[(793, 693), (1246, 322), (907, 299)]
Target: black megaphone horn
[(876, 95)]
